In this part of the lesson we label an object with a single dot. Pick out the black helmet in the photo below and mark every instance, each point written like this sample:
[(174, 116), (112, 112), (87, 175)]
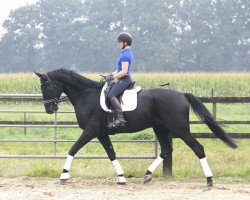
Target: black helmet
[(125, 37)]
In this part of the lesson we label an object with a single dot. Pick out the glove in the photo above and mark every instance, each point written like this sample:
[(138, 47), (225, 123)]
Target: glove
[(109, 78)]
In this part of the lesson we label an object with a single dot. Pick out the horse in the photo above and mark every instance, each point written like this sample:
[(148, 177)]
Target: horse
[(164, 110)]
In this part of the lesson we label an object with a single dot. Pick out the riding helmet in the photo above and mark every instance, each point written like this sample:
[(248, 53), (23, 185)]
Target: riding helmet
[(125, 37)]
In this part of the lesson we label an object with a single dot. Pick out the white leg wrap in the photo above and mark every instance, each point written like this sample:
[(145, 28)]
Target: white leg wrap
[(205, 167), (155, 164), (118, 167), (68, 162)]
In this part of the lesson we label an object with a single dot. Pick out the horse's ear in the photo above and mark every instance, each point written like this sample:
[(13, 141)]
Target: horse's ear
[(40, 75)]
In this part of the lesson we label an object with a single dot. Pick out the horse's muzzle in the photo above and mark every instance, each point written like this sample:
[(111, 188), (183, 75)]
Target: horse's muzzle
[(50, 109)]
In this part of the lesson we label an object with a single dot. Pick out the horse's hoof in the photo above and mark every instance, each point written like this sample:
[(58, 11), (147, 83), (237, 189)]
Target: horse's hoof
[(147, 178), (63, 181), (209, 182), (121, 180), (121, 183), (64, 177)]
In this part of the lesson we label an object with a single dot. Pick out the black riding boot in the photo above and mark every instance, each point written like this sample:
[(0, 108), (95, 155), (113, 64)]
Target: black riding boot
[(119, 119)]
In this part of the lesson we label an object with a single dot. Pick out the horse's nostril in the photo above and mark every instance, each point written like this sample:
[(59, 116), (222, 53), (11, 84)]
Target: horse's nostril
[(50, 109), (50, 112)]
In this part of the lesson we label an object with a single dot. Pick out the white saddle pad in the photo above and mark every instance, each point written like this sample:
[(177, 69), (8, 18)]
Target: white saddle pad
[(128, 99)]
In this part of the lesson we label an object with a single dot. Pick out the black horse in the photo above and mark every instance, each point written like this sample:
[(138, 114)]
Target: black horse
[(166, 111)]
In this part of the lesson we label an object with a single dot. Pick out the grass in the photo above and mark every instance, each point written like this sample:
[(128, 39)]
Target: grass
[(224, 162)]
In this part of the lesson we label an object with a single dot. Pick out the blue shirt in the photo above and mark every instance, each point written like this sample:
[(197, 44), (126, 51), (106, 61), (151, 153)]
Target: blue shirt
[(126, 56)]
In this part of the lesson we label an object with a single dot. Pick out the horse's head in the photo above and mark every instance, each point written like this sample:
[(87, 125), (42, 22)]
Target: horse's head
[(51, 91)]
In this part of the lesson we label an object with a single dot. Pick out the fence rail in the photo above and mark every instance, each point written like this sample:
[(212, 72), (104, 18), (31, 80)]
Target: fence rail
[(55, 124)]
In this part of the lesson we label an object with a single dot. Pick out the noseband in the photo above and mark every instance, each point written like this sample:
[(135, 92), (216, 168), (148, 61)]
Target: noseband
[(54, 100)]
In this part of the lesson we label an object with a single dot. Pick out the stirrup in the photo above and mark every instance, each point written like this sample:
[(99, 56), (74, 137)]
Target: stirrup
[(116, 123)]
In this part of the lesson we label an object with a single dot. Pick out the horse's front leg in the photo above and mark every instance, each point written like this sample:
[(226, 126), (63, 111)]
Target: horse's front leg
[(107, 145), (83, 139)]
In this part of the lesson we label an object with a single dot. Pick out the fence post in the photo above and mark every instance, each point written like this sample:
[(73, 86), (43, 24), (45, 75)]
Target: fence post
[(156, 146), (214, 105), (168, 162), (55, 133), (25, 122)]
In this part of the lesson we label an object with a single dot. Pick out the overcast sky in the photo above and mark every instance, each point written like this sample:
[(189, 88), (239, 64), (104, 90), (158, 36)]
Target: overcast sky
[(7, 5)]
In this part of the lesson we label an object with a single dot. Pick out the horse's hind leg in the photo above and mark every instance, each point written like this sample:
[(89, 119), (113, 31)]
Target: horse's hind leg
[(164, 139), (176, 119), (198, 149)]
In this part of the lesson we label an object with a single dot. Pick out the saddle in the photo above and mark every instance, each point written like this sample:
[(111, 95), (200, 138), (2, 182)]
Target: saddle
[(128, 99)]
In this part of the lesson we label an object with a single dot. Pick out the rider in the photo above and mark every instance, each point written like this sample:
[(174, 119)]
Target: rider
[(122, 74)]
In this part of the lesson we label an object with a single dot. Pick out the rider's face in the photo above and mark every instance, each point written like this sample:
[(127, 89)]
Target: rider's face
[(120, 44)]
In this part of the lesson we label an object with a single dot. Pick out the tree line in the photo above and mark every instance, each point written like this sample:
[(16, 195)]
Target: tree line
[(168, 35)]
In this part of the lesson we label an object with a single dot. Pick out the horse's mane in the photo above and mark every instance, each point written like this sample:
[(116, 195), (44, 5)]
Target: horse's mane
[(73, 77)]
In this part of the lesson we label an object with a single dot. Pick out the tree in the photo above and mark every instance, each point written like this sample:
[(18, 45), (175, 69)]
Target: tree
[(171, 35)]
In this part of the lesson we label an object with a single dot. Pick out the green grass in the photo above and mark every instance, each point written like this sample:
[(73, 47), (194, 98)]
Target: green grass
[(223, 161)]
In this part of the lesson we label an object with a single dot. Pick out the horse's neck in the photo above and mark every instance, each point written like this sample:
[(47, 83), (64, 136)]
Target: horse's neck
[(75, 84), (73, 89)]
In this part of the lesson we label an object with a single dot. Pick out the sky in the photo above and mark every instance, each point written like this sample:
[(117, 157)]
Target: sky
[(6, 6)]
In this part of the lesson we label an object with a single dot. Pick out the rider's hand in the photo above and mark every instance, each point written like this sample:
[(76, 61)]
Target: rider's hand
[(109, 78)]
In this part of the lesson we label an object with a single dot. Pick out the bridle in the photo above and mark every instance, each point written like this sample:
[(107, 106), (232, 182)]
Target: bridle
[(55, 100)]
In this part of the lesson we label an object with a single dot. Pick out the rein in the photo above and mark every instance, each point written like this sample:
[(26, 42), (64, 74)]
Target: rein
[(66, 98), (57, 101)]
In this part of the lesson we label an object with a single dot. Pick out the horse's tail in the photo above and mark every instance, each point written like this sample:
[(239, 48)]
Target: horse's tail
[(205, 116)]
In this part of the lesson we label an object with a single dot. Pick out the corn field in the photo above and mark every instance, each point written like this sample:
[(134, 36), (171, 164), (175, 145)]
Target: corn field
[(200, 84)]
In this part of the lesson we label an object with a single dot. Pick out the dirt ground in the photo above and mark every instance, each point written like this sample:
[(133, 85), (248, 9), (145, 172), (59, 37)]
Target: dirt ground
[(87, 189)]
